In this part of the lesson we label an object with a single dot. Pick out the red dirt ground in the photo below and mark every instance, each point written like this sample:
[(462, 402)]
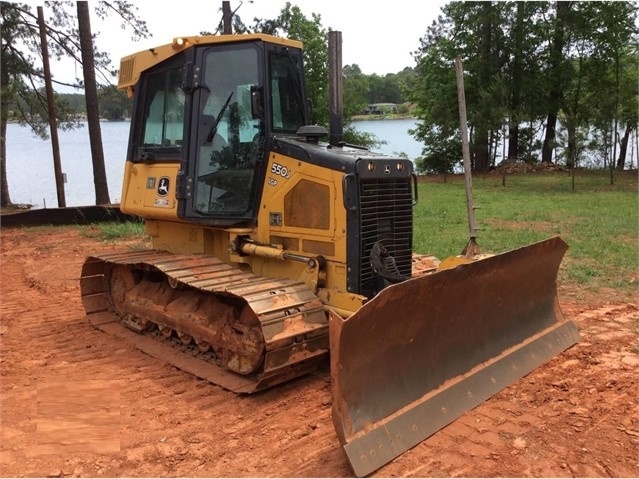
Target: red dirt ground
[(77, 402)]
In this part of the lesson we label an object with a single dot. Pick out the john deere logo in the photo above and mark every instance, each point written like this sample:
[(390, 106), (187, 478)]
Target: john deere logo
[(387, 169), (163, 186)]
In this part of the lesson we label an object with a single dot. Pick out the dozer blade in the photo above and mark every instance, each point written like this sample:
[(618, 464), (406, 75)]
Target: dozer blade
[(423, 352)]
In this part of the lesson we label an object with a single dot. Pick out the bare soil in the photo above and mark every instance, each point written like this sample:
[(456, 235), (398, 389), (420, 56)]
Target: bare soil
[(77, 402)]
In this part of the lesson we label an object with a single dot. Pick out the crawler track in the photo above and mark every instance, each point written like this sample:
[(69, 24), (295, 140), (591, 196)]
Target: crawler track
[(235, 329)]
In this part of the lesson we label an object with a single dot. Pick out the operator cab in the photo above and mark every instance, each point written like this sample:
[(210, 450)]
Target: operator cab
[(213, 107)]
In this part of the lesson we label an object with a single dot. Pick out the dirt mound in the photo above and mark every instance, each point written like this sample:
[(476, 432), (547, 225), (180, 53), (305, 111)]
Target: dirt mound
[(509, 167)]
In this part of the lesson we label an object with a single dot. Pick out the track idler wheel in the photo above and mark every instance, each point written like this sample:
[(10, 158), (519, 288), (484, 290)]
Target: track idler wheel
[(119, 282)]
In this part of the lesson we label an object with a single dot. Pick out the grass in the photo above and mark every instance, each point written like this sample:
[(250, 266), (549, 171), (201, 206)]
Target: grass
[(115, 231), (108, 231), (599, 221)]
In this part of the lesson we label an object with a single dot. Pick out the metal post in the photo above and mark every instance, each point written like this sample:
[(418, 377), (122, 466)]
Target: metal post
[(471, 248)]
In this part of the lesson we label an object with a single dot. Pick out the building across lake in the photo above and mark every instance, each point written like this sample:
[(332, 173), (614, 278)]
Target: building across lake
[(380, 109)]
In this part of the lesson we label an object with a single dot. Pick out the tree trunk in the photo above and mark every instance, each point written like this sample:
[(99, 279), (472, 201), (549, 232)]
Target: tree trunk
[(91, 97), (623, 148), (556, 77), (515, 86), (227, 19), (571, 153), (5, 200), (549, 139), (51, 111), (482, 150), (573, 120)]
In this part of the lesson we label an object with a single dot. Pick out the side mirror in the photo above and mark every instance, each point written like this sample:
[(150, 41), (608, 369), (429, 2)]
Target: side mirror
[(257, 102), (188, 82)]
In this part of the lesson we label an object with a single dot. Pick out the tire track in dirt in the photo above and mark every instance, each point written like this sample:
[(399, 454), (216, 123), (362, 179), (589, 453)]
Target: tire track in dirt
[(574, 416), (218, 440)]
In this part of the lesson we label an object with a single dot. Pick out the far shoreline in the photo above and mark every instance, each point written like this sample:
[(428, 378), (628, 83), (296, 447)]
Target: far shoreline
[(381, 117)]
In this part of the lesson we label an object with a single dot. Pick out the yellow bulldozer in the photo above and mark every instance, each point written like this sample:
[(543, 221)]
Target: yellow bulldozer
[(274, 251)]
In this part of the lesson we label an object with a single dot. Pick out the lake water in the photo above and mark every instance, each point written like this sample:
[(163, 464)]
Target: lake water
[(31, 177), (395, 134), (30, 172)]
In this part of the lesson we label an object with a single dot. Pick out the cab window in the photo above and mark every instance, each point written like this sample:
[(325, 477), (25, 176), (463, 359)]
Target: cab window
[(286, 96), (164, 111)]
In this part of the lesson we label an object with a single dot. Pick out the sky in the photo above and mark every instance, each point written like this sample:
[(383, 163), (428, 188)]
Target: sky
[(377, 36)]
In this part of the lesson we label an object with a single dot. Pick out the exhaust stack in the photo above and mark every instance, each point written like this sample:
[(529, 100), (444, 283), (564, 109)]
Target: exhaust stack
[(335, 88)]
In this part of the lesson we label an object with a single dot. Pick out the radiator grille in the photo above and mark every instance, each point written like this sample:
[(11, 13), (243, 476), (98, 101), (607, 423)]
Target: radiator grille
[(386, 209)]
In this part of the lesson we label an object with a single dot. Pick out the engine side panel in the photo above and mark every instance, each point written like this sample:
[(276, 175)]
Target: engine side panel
[(301, 210)]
